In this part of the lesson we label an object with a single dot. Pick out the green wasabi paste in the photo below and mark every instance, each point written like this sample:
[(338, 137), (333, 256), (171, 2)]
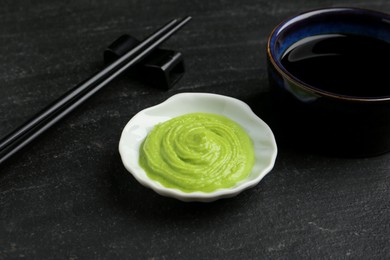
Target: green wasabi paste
[(197, 152)]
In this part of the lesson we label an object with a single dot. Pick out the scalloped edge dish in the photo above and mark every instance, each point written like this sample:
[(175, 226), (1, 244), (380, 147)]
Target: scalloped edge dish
[(143, 122)]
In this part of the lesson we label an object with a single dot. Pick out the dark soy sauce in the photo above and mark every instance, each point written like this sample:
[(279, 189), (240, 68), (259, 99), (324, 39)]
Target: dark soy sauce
[(343, 64)]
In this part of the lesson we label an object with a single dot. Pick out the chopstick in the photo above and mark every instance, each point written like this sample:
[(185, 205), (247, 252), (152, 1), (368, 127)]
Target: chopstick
[(54, 112)]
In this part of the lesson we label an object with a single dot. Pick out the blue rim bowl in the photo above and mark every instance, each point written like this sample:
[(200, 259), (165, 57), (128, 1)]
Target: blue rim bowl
[(327, 122)]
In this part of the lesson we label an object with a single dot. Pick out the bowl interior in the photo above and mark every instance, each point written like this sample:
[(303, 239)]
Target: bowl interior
[(327, 21)]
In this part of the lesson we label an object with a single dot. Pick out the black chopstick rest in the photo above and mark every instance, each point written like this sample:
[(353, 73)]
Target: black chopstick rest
[(162, 68)]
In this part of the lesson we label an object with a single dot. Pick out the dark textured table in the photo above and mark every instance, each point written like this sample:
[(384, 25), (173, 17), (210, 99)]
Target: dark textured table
[(68, 196)]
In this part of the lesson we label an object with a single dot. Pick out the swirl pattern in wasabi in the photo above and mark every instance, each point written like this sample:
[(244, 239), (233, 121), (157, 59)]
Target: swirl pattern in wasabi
[(197, 152)]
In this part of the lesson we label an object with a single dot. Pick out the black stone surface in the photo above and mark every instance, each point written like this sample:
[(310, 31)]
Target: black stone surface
[(67, 195)]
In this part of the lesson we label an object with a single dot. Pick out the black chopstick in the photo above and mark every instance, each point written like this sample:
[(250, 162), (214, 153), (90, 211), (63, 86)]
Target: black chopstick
[(51, 114)]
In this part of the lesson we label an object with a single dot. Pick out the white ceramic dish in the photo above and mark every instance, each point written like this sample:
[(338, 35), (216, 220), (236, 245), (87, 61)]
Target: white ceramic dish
[(142, 123)]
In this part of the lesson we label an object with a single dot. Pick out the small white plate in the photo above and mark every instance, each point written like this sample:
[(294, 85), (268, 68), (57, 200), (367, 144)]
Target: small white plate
[(142, 123)]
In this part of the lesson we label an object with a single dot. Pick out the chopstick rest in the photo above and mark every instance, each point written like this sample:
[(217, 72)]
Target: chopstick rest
[(161, 68)]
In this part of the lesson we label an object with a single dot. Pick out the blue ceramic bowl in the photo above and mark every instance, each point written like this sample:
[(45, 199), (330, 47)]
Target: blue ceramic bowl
[(310, 117)]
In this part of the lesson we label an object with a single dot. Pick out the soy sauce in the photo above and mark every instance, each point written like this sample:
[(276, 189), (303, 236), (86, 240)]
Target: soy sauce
[(344, 64)]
